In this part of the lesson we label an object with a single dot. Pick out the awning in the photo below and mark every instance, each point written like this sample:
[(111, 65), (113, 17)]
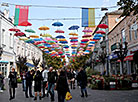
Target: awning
[(29, 65), (4, 61), (127, 58)]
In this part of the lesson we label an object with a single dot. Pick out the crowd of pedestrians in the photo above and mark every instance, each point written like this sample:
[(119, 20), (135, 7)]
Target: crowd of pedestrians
[(46, 81)]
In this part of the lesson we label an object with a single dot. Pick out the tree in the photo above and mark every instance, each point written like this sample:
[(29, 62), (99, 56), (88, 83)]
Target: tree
[(21, 63), (128, 7), (35, 61)]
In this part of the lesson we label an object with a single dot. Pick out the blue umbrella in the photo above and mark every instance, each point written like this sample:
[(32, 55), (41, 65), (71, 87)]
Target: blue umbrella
[(29, 41), (38, 39), (73, 47), (60, 36), (92, 42), (96, 38), (46, 51), (90, 45), (73, 40), (63, 42), (58, 24), (98, 35), (66, 46), (83, 42), (74, 27)]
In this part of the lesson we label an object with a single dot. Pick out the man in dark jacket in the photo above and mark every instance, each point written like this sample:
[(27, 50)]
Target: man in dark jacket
[(12, 83), (82, 80), (1, 82), (29, 79), (52, 77)]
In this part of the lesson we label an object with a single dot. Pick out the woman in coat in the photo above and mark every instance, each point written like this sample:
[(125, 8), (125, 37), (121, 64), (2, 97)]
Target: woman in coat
[(37, 86), (62, 86)]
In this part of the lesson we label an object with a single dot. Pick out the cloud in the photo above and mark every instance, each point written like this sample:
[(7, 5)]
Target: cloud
[(105, 2)]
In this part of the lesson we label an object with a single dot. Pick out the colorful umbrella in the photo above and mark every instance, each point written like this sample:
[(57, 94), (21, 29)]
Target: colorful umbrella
[(58, 24), (59, 31), (98, 35), (104, 26), (74, 27), (92, 42), (84, 40), (43, 28), (66, 47), (25, 23), (34, 36), (62, 40), (40, 45), (87, 31), (73, 38), (37, 42), (29, 41), (14, 29), (100, 31), (86, 35), (46, 35), (48, 39), (60, 36), (74, 34), (38, 39), (19, 34), (96, 38), (23, 38), (30, 30)]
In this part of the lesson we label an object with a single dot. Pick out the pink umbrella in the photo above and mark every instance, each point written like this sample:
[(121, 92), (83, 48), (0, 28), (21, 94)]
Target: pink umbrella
[(104, 26), (37, 42), (84, 40), (55, 40), (100, 31), (59, 31), (87, 31), (48, 39), (19, 34), (86, 35), (14, 29), (73, 37)]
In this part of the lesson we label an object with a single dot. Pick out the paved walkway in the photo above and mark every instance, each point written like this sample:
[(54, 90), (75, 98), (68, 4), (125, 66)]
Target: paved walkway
[(94, 96)]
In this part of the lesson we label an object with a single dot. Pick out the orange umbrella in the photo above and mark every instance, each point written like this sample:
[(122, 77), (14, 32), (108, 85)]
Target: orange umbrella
[(34, 36), (62, 40), (74, 34), (43, 28)]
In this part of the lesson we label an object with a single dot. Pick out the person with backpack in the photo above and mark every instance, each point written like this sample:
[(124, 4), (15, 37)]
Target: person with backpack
[(52, 77), (82, 80), (45, 77)]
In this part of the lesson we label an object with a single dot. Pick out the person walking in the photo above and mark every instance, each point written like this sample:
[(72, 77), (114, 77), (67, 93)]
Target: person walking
[(23, 78), (29, 79), (82, 80), (52, 77), (1, 82), (37, 85), (12, 83), (62, 86), (45, 77)]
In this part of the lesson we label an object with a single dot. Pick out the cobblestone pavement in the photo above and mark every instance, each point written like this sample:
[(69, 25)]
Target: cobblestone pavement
[(94, 96)]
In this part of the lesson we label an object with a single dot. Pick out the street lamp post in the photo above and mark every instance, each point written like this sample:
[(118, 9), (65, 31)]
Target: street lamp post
[(121, 52)]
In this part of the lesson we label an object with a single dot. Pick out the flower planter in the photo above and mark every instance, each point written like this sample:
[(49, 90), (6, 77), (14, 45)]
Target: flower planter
[(134, 84), (112, 85)]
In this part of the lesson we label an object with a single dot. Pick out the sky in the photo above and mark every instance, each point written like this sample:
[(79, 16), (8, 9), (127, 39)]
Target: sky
[(41, 12)]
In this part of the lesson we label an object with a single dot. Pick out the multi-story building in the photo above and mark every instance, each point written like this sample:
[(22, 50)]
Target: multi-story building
[(110, 19), (125, 30), (13, 47)]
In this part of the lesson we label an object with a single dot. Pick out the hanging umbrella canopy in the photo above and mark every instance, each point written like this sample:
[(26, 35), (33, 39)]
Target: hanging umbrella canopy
[(73, 38), (74, 34), (62, 40), (58, 24), (14, 29), (19, 34), (29, 41), (59, 31), (60, 36), (40, 45), (47, 52), (100, 31), (98, 35), (90, 45), (37, 39), (60, 52), (34, 36), (96, 38), (84, 40), (48, 39), (91, 42), (74, 27), (104, 26), (55, 40), (55, 45), (37, 42), (66, 47), (86, 35), (87, 31), (30, 30), (25, 23), (23, 38), (43, 28), (46, 35), (73, 45)]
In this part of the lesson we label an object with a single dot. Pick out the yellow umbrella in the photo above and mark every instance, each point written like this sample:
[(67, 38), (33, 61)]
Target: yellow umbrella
[(66, 49), (46, 35), (62, 40), (34, 36), (43, 28), (74, 34), (23, 38)]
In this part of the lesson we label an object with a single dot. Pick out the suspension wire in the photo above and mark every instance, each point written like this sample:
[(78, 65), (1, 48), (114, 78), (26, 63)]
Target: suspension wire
[(72, 7)]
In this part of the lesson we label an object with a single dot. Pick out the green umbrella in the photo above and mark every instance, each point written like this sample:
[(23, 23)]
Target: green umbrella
[(40, 45), (30, 30), (46, 35)]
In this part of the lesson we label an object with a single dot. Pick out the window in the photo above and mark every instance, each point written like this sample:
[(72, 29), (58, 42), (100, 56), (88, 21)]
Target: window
[(123, 35), (130, 33), (3, 68), (3, 38), (135, 30), (10, 40)]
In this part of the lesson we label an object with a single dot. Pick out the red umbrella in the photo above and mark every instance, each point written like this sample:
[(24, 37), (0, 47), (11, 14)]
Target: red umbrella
[(87, 31), (14, 29), (100, 31), (59, 31), (60, 52), (19, 34), (37, 42), (84, 40), (104, 26), (73, 37), (41, 46), (86, 35), (25, 23)]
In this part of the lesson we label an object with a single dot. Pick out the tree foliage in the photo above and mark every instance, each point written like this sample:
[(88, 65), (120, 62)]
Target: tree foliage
[(128, 7)]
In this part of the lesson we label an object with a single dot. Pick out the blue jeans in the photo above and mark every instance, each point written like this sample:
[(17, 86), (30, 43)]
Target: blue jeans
[(51, 87), (24, 84)]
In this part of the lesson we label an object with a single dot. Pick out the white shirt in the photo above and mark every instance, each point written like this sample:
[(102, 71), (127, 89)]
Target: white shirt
[(45, 75)]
